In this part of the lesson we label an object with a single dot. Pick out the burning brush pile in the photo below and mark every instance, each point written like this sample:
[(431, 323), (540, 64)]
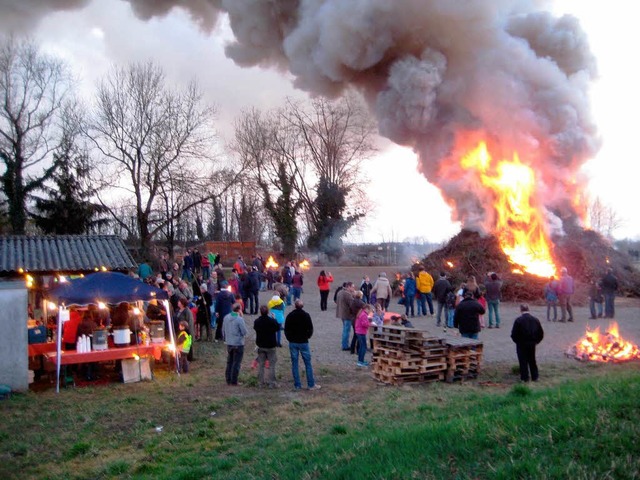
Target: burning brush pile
[(585, 253), (607, 347)]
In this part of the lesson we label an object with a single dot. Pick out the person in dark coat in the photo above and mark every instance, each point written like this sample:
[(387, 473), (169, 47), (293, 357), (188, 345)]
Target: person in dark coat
[(298, 328), (467, 316), (254, 290), (439, 291), (527, 333), (609, 285), (224, 301), (266, 329)]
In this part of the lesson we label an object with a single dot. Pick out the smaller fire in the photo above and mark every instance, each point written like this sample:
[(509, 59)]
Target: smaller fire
[(304, 264), (450, 264), (271, 263), (607, 347)]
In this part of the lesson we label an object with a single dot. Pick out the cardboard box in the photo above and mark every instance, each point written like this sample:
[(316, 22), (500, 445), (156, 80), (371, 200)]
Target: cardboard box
[(135, 370)]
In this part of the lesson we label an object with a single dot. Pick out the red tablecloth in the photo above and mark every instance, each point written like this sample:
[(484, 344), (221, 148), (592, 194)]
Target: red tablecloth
[(71, 356), (41, 348)]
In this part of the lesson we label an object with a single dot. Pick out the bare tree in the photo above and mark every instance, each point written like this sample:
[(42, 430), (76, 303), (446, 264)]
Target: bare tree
[(153, 140), (35, 121), (271, 149), (306, 159), (603, 218)]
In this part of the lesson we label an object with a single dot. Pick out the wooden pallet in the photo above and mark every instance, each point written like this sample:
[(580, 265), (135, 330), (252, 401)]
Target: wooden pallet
[(463, 358), (413, 378)]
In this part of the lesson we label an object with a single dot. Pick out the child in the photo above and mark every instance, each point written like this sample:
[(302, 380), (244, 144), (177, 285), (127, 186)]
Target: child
[(362, 326), (377, 320), (276, 310), (450, 306), (482, 301), (184, 345)]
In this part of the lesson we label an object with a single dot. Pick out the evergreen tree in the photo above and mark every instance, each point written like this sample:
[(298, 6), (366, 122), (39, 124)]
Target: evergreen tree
[(68, 209), (331, 221)]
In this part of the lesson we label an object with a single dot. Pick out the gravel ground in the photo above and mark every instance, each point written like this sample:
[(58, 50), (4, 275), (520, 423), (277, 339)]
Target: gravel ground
[(498, 347)]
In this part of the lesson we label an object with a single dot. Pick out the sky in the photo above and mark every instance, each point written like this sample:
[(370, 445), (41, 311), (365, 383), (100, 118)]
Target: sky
[(407, 206)]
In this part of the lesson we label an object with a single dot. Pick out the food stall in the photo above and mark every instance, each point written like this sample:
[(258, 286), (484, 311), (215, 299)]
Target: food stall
[(105, 288), (39, 263)]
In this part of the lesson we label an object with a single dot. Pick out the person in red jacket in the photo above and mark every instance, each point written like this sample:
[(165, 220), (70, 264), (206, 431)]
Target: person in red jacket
[(324, 284)]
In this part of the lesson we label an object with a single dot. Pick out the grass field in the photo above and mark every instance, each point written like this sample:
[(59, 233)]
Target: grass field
[(580, 422)]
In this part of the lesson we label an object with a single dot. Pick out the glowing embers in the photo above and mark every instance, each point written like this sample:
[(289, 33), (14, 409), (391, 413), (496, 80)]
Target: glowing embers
[(607, 347), (519, 223)]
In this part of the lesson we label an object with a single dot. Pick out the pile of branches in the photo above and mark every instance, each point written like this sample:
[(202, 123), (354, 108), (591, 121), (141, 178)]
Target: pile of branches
[(585, 253)]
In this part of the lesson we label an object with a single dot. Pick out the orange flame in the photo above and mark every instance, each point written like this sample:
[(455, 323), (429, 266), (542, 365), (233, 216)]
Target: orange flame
[(450, 264), (608, 347), (271, 263), (304, 264), (520, 226)]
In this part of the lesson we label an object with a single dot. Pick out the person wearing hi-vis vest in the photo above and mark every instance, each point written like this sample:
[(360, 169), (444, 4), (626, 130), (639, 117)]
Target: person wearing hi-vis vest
[(184, 345)]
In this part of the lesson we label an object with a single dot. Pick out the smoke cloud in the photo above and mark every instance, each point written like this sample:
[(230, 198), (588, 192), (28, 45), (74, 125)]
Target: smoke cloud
[(439, 75)]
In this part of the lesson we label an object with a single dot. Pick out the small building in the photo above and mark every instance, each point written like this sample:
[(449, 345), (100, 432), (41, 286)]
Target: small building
[(29, 265)]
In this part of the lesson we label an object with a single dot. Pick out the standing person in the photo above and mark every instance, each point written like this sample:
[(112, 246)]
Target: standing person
[(362, 327), (595, 299), (203, 315), (357, 304), (609, 285), (467, 316), (551, 297), (296, 285), (343, 312), (164, 266), (197, 262), (183, 342), (409, 293), (287, 279), (450, 308), (234, 332), (254, 290), (266, 329), (185, 315), (224, 304), (377, 319), (527, 333), (276, 309), (206, 267), (493, 286), (324, 285), (365, 288), (439, 291), (240, 266), (424, 284), (472, 286), (298, 329), (566, 288), (187, 266), (382, 290)]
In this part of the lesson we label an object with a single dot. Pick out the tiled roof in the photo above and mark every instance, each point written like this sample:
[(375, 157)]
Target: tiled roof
[(63, 253)]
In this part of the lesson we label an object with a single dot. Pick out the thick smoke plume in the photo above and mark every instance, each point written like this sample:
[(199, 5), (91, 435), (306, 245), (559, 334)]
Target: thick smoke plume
[(439, 74)]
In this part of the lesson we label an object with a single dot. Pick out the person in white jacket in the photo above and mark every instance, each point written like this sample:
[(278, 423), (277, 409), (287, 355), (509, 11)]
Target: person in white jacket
[(382, 289)]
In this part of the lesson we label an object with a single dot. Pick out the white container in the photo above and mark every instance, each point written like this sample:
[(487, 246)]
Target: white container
[(121, 337)]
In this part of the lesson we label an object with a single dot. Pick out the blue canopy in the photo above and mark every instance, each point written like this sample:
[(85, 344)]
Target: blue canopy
[(107, 287)]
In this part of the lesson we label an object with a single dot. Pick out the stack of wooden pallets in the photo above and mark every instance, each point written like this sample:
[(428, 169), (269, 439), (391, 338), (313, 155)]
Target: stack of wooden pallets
[(406, 355), (463, 358)]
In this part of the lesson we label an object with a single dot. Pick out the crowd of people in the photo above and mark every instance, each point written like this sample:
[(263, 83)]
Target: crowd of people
[(210, 303)]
